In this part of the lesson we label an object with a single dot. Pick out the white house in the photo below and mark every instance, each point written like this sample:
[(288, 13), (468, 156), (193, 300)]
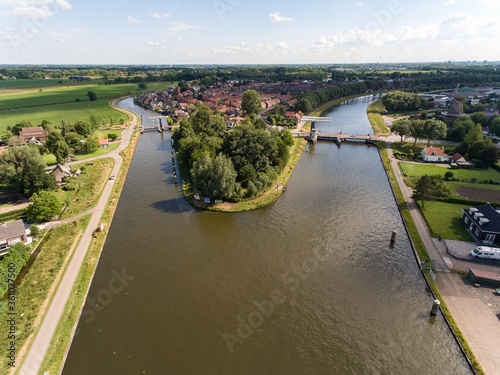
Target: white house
[(435, 154)]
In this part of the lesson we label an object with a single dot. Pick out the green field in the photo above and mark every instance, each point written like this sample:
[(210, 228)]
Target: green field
[(465, 175), (39, 100), (445, 220)]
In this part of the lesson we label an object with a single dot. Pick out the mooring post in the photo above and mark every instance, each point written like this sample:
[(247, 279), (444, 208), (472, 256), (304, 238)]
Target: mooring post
[(393, 237), (435, 307)]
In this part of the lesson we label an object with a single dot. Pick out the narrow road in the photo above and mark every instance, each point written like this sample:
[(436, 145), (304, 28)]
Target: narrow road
[(476, 321), (40, 345)]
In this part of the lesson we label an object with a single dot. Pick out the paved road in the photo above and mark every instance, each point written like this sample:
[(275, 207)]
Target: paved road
[(475, 320), (36, 354)]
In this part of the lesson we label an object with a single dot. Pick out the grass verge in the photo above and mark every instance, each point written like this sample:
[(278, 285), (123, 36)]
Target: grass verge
[(374, 111)]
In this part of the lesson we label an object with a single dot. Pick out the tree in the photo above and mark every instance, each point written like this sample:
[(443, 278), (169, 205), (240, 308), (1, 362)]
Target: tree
[(402, 128), (23, 169), (61, 151), (57, 146), (214, 178), (16, 129), (401, 101), (434, 129), (474, 135), (489, 155), (251, 103), (479, 118), (83, 128), (90, 145), (416, 130), (44, 206), (423, 191), (92, 96), (495, 125), (142, 85)]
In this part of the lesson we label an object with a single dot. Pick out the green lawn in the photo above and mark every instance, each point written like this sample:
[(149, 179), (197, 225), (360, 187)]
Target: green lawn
[(445, 220), (100, 151), (464, 175)]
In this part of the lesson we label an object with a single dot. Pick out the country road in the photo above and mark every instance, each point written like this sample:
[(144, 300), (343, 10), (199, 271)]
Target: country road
[(43, 338)]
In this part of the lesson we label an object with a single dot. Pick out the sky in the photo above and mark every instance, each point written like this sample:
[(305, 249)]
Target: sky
[(247, 32)]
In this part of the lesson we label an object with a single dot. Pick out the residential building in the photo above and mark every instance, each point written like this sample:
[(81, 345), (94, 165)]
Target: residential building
[(435, 154), (10, 234), (483, 223), (30, 134)]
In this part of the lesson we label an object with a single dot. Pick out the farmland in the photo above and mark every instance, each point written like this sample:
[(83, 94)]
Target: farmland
[(47, 99)]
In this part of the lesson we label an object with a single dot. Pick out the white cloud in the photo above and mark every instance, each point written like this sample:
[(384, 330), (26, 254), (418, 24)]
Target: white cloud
[(40, 9), (132, 19), (154, 43), (158, 15), (458, 36), (277, 17), (175, 27), (450, 2)]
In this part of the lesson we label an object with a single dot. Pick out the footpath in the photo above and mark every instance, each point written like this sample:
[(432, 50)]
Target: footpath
[(477, 322)]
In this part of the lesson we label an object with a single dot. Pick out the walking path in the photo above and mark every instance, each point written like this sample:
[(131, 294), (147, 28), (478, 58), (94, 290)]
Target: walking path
[(43, 338), (477, 322)]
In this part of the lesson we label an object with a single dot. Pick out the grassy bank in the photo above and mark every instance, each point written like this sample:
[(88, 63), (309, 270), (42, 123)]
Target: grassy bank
[(424, 256), (375, 111), (64, 333)]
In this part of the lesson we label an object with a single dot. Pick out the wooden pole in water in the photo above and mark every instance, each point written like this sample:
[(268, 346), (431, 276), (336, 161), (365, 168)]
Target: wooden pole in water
[(393, 237), (435, 307)]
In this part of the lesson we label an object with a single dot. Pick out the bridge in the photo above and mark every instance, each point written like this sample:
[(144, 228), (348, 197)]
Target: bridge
[(339, 137), (160, 127)]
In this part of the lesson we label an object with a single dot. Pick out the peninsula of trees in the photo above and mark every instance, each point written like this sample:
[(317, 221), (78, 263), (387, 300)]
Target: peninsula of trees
[(231, 165)]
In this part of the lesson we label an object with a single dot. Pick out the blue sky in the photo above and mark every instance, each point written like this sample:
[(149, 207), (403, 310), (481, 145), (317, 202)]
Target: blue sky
[(247, 32)]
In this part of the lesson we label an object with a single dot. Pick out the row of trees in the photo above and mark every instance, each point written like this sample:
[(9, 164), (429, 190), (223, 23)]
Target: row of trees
[(233, 165), (429, 129), (314, 99)]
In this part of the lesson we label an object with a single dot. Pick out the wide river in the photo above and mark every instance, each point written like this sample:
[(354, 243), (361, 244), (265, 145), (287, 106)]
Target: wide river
[(308, 285)]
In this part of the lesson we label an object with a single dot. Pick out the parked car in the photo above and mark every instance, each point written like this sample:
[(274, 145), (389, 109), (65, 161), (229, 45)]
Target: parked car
[(485, 252)]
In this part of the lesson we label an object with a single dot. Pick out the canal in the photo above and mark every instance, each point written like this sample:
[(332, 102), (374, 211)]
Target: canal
[(308, 285)]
